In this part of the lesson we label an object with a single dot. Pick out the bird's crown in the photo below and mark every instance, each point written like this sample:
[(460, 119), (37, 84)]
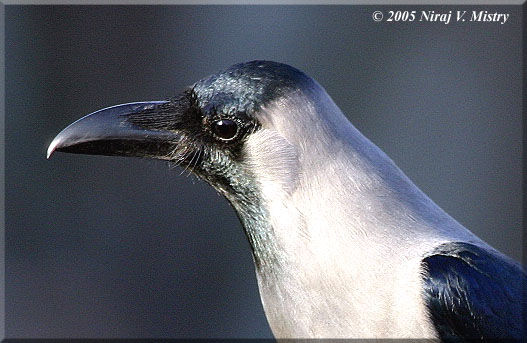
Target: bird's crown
[(245, 87)]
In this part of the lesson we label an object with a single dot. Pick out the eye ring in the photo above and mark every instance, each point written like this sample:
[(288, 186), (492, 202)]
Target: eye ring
[(225, 129)]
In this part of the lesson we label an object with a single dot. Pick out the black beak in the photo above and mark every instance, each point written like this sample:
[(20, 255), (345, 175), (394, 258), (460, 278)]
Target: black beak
[(118, 131)]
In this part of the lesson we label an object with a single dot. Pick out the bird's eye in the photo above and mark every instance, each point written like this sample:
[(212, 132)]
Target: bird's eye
[(225, 129)]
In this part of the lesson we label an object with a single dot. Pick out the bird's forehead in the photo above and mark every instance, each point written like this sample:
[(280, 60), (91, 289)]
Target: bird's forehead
[(248, 86)]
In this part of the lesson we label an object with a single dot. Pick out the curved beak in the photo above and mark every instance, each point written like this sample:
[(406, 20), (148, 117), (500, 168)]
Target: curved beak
[(122, 130)]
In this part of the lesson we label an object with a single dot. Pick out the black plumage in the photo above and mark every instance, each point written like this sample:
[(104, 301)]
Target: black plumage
[(475, 294)]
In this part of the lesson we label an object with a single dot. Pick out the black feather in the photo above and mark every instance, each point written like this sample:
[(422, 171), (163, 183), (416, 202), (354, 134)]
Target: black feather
[(474, 294)]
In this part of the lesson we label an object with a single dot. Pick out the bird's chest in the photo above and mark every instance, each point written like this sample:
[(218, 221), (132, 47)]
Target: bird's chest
[(336, 303)]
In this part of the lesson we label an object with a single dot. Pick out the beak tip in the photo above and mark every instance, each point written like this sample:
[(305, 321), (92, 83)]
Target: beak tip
[(52, 147)]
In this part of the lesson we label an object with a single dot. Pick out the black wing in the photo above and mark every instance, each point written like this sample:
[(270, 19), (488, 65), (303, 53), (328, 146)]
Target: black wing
[(475, 294)]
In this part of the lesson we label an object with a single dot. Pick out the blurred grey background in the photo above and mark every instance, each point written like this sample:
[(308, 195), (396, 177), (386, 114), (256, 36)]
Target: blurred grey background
[(116, 247)]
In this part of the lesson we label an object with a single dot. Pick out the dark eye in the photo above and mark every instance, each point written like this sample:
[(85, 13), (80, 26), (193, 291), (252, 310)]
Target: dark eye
[(225, 129)]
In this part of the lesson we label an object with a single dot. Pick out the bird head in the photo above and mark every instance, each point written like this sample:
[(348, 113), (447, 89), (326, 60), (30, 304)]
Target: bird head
[(245, 131)]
